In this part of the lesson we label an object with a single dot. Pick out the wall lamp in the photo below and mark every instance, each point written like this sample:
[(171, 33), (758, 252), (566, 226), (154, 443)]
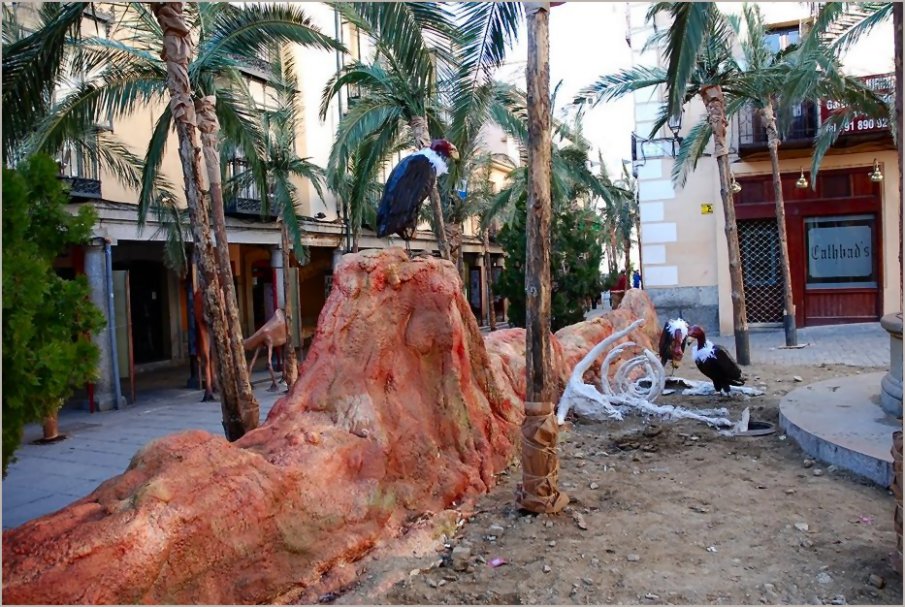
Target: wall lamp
[(802, 183), (876, 175)]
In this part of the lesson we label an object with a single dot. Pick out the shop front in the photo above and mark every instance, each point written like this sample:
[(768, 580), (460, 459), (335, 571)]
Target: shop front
[(834, 235)]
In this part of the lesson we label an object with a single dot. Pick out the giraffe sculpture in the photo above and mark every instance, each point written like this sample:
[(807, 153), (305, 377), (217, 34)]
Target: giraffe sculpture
[(271, 334)]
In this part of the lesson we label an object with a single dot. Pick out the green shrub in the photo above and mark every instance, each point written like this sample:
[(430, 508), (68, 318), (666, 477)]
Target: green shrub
[(47, 320), (575, 257)]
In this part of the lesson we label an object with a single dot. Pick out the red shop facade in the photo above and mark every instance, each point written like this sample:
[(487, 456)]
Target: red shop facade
[(834, 234)]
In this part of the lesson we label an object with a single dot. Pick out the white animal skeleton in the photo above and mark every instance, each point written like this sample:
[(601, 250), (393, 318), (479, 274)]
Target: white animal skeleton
[(630, 392)]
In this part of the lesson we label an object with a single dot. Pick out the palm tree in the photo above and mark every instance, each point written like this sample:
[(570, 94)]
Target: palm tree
[(858, 19), (399, 87), (281, 168), (35, 78), (131, 74), (700, 64)]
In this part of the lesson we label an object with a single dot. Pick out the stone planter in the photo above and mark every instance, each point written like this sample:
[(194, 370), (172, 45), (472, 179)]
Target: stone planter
[(891, 384)]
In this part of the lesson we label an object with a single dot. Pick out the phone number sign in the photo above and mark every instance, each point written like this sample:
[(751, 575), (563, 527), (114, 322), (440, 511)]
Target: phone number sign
[(883, 85)]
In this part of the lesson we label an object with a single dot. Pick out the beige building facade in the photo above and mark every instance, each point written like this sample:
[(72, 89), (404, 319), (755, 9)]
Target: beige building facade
[(843, 233), (150, 324)]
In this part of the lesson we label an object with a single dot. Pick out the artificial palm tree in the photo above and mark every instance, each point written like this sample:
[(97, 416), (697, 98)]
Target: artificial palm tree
[(399, 87), (130, 74), (700, 64), (40, 63), (281, 168), (856, 20)]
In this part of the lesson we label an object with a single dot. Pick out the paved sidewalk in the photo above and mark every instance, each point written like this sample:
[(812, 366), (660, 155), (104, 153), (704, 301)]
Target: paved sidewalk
[(48, 477), (98, 446), (858, 345)]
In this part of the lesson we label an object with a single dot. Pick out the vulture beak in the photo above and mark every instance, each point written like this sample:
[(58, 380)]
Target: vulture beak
[(453, 152)]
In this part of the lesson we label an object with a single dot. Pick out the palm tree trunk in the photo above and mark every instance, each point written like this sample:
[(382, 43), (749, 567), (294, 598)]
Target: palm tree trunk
[(611, 249), (290, 360), (177, 49), (540, 463), (420, 133), (488, 279), (715, 104), (788, 318), (627, 251), (236, 392), (897, 30)]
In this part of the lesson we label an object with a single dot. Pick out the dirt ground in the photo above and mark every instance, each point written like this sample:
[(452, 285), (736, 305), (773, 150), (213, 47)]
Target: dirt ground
[(664, 513)]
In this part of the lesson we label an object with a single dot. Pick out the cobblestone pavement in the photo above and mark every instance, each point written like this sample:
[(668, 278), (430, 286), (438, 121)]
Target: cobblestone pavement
[(48, 477)]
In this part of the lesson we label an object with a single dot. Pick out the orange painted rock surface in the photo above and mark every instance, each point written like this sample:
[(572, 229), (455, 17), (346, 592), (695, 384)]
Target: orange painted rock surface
[(399, 409)]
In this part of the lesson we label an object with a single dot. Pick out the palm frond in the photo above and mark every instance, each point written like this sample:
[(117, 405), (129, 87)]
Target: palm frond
[(691, 150), (31, 68), (621, 83), (689, 30)]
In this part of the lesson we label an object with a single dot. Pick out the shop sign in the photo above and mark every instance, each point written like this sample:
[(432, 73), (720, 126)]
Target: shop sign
[(882, 84)]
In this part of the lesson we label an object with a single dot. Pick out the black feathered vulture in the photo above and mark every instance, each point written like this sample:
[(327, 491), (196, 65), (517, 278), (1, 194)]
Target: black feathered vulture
[(715, 362), (672, 341), (409, 184)]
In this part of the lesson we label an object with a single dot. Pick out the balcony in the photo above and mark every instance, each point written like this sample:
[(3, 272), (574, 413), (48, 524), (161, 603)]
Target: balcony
[(80, 174), (809, 116), (752, 136), (246, 203)]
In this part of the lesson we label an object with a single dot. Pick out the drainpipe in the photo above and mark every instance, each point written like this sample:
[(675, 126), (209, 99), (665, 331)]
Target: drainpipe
[(111, 314)]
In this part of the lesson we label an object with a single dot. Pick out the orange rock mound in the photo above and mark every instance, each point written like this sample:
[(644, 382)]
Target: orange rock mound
[(399, 409)]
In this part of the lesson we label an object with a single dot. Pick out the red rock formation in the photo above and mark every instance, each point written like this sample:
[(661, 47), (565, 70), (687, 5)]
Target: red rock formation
[(399, 409)]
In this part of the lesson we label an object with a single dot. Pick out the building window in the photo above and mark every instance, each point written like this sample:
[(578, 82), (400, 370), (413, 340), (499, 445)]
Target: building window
[(778, 39), (840, 252)]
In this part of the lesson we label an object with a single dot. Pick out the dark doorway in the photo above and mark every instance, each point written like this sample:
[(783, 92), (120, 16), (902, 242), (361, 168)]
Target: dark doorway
[(262, 292), (148, 298)]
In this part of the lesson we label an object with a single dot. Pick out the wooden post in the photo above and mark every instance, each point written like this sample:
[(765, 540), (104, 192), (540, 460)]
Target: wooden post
[(540, 463)]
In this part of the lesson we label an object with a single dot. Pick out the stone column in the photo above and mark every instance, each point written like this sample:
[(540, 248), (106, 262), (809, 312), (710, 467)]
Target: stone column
[(891, 384), (337, 256), (276, 263), (95, 271)]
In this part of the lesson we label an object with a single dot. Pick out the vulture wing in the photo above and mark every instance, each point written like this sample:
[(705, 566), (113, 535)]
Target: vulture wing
[(665, 344), (727, 368), (408, 185)]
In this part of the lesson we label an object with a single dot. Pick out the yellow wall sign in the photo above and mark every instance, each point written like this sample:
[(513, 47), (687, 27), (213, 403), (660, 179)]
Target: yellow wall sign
[(706, 208)]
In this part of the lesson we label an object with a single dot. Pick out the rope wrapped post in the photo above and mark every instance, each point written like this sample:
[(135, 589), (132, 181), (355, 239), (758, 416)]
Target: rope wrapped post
[(538, 492)]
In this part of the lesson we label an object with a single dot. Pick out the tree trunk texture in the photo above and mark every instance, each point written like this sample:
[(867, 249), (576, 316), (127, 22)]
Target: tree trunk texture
[(897, 29), (488, 280), (236, 370), (627, 251), (540, 463), (788, 319), (177, 49), (290, 360), (612, 258), (454, 242), (422, 138), (715, 104)]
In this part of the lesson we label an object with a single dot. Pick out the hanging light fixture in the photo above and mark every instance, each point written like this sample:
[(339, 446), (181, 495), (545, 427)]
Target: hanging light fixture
[(876, 175), (802, 183), (735, 187)]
